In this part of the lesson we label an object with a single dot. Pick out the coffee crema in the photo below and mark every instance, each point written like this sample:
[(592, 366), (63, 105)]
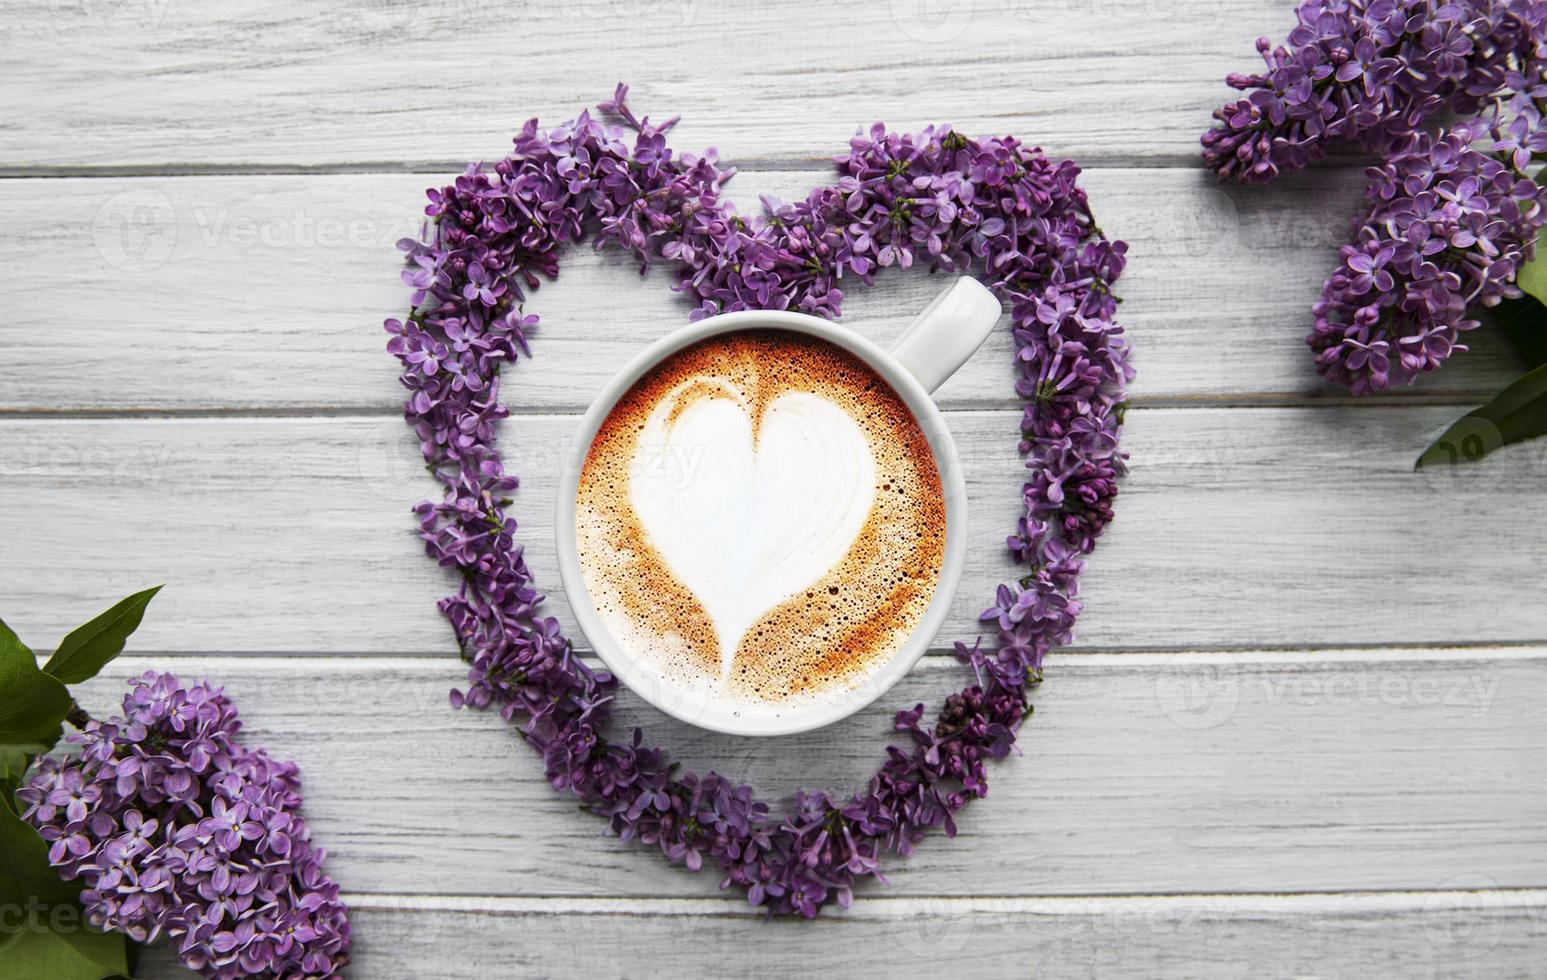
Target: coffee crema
[(760, 516)]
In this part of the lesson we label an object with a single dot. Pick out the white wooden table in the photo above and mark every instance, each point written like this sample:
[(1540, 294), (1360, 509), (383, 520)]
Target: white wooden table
[(1301, 732)]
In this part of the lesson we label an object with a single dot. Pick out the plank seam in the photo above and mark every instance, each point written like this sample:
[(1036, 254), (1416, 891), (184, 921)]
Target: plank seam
[(1072, 659), (448, 169), (1266, 402), (1530, 900)]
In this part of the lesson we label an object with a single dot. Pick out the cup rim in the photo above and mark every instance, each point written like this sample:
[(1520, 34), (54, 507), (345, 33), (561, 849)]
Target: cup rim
[(626, 667)]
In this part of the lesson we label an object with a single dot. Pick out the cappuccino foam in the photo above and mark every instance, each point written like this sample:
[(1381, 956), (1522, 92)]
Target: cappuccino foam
[(760, 516)]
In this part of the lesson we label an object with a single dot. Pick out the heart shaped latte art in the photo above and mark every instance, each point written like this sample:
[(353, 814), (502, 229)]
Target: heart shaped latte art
[(748, 512)]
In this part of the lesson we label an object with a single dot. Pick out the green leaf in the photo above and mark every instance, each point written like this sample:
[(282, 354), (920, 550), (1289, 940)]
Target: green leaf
[(79, 952), (1524, 322), (43, 931), (1516, 414), (1532, 277), (89, 647), (32, 706), (16, 759)]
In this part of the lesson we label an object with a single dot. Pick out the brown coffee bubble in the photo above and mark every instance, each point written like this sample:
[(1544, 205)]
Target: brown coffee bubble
[(824, 638)]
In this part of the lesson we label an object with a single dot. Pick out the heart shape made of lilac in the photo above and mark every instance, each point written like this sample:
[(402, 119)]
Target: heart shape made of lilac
[(992, 207)]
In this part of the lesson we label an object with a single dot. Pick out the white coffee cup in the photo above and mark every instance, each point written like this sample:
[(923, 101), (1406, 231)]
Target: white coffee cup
[(930, 350)]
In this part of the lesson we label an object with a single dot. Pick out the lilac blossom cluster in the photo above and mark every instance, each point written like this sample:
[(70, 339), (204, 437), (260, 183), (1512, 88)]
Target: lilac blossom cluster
[(995, 207), (1364, 72), (1448, 228), (1451, 215), (174, 829)]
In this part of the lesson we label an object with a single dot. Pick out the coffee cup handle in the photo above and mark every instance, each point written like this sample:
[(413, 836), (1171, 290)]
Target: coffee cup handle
[(951, 328)]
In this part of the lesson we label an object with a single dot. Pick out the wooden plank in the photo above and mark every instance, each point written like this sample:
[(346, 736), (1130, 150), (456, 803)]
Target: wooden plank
[(267, 293), (153, 84), (1142, 774), (1237, 527), (1437, 934), (1449, 934)]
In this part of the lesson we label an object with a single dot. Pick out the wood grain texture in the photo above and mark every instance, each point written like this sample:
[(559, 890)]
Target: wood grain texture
[(1142, 774), (1278, 527), (1435, 934), (157, 84), (268, 292), (203, 201)]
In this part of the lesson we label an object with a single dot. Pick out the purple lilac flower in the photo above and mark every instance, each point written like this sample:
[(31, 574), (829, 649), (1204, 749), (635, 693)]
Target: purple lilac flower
[(936, 198), (176, 830), (1447, 224), (1447, 229), (1366, 73)]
